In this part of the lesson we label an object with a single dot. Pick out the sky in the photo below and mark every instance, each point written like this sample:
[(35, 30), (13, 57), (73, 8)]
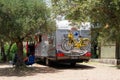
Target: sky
[(65, 24)]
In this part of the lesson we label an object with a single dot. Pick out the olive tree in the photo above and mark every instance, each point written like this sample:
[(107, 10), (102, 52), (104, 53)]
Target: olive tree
[(22, 18)]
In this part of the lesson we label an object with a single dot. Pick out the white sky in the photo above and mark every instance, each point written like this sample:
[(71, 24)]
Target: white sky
[(64, 24)]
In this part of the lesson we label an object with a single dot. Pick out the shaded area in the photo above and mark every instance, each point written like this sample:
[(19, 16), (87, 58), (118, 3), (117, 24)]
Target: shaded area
[(26, 71), (4, 63), (67, 66), (118, 66)]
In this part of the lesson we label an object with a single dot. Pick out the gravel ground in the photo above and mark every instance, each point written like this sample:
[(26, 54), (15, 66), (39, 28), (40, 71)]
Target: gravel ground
[(84, 71)]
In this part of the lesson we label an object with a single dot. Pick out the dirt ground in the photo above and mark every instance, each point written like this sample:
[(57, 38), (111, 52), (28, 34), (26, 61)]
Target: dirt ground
[(84, 71)]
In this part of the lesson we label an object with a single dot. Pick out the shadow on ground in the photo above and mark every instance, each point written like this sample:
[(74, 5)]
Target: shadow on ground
[(116, 66), (76, 67), (26, 72), (30, 71), (61, 66)]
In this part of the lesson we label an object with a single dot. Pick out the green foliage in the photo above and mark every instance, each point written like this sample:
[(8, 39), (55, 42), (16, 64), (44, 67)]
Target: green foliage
[(75, 10), (20, 18), (105, 12), (6, 46), (13, 50)]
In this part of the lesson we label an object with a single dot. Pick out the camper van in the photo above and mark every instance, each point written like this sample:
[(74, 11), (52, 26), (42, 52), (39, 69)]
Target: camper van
[(54, 48)]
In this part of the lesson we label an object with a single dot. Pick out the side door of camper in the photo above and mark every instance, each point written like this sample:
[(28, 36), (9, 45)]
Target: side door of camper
[(42, 48), (52, 46)]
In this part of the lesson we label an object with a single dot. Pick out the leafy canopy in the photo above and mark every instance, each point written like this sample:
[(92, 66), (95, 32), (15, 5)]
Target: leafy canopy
[(104, 12), (19, 18)]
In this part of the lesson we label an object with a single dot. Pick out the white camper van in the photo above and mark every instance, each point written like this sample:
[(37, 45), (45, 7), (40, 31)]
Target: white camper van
[(52, 48)]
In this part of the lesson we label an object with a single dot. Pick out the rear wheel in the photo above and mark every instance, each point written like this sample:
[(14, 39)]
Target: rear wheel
[(47, 62)]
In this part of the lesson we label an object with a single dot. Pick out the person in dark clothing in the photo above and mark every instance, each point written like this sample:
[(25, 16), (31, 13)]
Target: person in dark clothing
[(30, 59)]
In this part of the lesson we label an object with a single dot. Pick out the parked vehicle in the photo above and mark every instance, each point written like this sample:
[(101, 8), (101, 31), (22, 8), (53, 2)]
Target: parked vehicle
[(50, 48)]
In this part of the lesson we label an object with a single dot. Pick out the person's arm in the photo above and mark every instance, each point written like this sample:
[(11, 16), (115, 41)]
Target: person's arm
[(25, 59)]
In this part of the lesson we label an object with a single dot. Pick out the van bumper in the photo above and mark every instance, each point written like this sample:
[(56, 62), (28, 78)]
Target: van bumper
[(71, 59)]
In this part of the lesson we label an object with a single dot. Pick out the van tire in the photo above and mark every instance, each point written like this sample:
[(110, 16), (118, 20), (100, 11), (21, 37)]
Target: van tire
[(47, 62)]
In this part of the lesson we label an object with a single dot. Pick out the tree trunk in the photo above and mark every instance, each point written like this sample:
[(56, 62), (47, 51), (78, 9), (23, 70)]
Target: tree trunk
[(1, 48), (8, 52), (19, 62), (117, 52), (3, 52)]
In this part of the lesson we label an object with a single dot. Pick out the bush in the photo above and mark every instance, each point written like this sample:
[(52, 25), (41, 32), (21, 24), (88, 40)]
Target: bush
[(13, 50)]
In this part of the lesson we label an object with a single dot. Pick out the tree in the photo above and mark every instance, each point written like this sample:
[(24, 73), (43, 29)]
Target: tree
[(106, 12), (2, 42), (21, 18)]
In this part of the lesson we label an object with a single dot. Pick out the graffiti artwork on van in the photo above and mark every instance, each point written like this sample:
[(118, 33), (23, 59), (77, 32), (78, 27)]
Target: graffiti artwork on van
[(74, 40)]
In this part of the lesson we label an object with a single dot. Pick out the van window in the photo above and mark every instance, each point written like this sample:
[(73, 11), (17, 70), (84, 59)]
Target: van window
[(51, 39)]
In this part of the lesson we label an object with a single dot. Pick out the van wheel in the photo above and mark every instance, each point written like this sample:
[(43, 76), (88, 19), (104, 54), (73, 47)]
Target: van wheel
[(47, 62)]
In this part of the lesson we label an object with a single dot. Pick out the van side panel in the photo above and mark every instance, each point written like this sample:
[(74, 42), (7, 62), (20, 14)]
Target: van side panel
[(42, 47), (52, 47)]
